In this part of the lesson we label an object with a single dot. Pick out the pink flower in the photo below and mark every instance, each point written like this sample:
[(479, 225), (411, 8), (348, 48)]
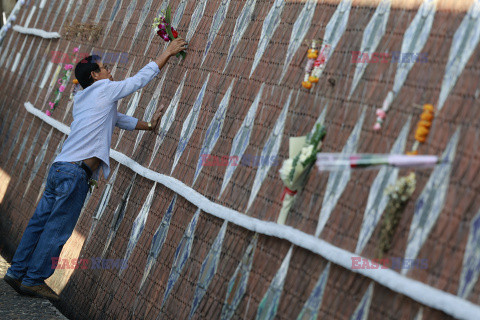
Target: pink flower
[(59, 81), (75, 49), (68, 67), (48, 113), (51, 104), (377, 126), (381, 113), (166, 38), (61, 89)]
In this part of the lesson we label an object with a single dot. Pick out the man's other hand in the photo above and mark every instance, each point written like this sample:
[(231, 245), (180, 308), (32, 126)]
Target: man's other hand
[(156, 118)]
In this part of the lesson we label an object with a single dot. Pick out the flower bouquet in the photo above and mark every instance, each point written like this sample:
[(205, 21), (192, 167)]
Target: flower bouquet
[(398, 197), (341, 161), (165, 30), (295, 170), (62, 82)]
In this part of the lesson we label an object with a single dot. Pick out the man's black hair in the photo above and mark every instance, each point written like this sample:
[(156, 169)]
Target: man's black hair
[(84, 69)]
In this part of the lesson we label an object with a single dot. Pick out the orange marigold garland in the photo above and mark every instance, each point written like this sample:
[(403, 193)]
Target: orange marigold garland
[(399, 194), (423, 127)]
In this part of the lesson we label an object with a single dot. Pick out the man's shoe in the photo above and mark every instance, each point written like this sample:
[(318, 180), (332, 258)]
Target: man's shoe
[(40, 291), (14, 283)]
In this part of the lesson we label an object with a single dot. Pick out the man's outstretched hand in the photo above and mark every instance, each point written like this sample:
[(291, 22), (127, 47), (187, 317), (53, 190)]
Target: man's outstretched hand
[(176, 46), (173, 48), (156, 118)]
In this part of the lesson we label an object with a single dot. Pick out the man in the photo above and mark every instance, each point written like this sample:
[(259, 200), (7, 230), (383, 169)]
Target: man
[(84, 152)]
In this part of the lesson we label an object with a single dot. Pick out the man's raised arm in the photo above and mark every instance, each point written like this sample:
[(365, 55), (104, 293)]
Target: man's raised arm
[(116, 90)]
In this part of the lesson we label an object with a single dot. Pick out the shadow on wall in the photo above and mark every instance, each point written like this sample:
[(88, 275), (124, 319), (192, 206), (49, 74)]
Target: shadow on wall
[(6, 248)]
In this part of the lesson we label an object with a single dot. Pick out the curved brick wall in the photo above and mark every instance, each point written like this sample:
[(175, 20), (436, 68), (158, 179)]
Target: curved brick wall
[(100, 294)]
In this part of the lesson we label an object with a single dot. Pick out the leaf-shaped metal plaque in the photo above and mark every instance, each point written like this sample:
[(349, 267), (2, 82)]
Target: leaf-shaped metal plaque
[(208, 269), (431, 201), (270, 150), (267, 309), (113, 15), (141, 20), (118, 216), (138, 225), (465, 40), (158, 240), (241, 139), (241, 25), (179, 13), (15, 139), (338, 180), (30, 151), (371, 38), (335, 29), (361, 312), (270, 24), (312, 306), (213, 131), (181, 255), (168, 118), (237, 286), (189, 125), (38, 161), (88, 10), (22, 146), (195, 20), (300, 28), (150, 109), (102, 204), (217, 22), (126, 19), (377, 199), (471, 260), (413, 42)]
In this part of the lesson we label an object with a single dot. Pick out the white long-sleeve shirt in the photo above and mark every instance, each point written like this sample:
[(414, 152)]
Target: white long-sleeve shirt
[(95, 116)]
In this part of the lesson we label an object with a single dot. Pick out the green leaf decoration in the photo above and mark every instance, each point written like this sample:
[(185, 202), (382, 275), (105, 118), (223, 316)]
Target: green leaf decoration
[(181, 54), (168, 16)]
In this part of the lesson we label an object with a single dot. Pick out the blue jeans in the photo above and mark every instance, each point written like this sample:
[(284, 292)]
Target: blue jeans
[(51, 225)]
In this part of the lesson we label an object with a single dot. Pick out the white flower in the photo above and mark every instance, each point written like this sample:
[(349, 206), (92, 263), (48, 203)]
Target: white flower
[(286, 169), (306, 153)]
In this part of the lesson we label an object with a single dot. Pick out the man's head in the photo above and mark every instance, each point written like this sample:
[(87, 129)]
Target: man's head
[(91, 69)]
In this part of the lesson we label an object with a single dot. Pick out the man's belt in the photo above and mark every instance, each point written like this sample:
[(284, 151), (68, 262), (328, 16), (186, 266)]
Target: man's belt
[(87, 169)]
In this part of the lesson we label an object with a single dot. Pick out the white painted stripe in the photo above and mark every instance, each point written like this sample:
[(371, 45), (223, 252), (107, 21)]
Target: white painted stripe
[(42, 4), (29, 18), (15, 63), (55, 76), (37, 32), (416, 290), (46, 74)]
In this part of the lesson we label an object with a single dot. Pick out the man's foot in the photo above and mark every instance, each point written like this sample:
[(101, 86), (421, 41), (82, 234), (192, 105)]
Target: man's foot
[(40, 291), (14, 283)]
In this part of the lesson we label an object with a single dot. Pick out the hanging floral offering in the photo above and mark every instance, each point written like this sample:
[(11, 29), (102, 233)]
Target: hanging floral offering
[(315, 64), (162, 25), (398, 197), (400, 193), (62, 82), (295, 170)]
